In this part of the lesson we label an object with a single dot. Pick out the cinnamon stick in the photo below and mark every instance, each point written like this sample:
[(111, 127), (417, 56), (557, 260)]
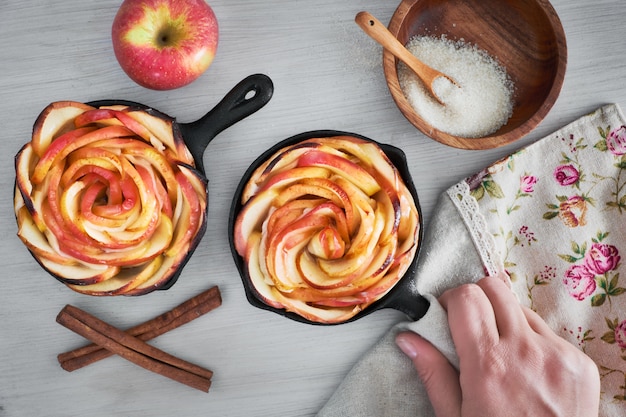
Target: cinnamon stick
[(183, 313), (133, 349)]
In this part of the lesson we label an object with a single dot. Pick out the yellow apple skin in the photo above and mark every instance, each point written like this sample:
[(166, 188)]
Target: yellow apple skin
[(164, 44)]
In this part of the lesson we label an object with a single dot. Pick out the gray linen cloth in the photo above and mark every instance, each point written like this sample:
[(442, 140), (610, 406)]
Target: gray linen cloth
[(384, 383), (553, 214)]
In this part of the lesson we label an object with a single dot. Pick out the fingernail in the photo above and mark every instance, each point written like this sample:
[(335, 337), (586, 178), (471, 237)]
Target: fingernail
[(406, 346)]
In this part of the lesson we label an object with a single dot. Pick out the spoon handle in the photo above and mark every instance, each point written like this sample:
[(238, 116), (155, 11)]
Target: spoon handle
[(377, 31)]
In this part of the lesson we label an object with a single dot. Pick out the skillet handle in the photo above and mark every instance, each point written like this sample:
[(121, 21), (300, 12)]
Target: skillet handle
[(405, 298), (250, 95), (414, 306)]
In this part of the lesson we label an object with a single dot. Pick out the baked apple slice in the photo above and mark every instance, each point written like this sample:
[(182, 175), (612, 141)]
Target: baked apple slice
[(327, 227), (108, 199)]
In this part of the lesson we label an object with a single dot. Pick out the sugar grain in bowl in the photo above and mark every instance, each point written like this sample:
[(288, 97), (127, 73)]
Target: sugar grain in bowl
[(478, 105), (508, 59)]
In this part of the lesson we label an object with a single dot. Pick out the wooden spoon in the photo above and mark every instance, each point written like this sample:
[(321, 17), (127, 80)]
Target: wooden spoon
[(377, 31)]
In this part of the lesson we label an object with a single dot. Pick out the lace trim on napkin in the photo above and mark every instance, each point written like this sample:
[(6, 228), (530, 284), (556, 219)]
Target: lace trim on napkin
[(485, 244)]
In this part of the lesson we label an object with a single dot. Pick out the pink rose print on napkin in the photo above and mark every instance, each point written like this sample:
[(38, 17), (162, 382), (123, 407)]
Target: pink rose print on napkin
[(620, 335), (580, 282), (602, 258), (566, 175), (526, 188), (527, 184), (593, 269), (616, 141)]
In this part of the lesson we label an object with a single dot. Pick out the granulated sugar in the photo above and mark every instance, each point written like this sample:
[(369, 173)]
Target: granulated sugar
[(483, 100)]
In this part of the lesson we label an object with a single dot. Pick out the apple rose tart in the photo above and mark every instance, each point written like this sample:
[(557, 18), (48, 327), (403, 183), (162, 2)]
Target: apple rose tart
[(107, 199), (327, 227)]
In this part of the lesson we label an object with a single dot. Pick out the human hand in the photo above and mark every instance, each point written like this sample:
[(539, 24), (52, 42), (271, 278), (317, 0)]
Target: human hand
[(510, 362)]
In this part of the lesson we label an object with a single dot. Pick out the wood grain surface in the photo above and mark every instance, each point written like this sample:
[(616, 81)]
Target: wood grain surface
[(327, 75)]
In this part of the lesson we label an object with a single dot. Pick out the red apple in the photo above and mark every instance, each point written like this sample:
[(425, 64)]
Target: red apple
[(164, 44)]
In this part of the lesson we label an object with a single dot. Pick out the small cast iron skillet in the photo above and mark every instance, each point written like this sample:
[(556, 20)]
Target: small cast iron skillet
[(248, 96), (403, 296)]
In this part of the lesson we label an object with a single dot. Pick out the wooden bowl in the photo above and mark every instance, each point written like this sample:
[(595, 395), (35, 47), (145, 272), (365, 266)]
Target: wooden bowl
[(525, 37)]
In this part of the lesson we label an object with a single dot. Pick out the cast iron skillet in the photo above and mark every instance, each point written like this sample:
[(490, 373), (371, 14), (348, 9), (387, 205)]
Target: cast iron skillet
[(403, 296), (248, 96)]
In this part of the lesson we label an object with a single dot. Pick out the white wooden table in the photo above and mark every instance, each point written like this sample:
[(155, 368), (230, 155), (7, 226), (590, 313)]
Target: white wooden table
[(327, 75)]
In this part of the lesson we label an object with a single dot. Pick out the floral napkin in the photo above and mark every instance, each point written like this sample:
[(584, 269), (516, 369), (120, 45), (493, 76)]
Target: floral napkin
[(553, 216)]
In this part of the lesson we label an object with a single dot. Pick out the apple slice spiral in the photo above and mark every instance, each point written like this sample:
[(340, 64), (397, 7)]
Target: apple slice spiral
[(108, 199), (327, 227)]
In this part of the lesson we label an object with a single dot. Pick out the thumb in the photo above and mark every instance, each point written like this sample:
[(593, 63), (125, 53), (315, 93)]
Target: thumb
[(439, 377)]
